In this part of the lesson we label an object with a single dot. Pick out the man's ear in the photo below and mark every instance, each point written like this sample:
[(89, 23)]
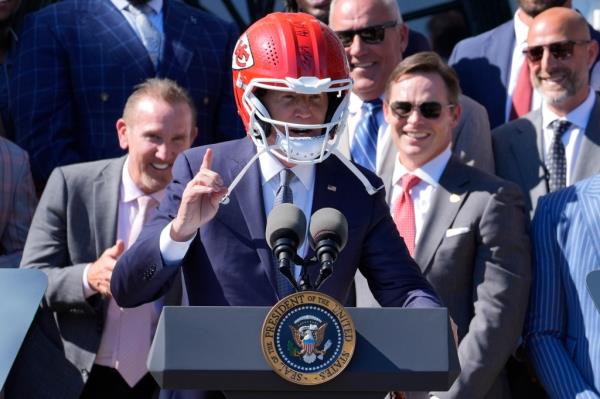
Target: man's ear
[(122, 133)]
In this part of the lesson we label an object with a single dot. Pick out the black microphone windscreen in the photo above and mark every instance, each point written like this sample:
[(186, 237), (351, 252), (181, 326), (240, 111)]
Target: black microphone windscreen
[(285, 220), (328, 222)]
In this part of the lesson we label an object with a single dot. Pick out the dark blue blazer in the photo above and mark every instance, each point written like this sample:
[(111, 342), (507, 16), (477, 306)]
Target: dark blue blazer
[(229, 262), (77, 61), (483, 66)]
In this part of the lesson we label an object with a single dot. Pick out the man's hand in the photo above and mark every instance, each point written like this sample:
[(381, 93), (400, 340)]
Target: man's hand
[(199, 202), (100, 272)]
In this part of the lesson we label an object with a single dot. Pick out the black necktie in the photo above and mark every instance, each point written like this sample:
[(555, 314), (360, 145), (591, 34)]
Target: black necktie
[(557, 161)]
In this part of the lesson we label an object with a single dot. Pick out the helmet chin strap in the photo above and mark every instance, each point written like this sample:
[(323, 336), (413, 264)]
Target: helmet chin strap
[(359, 175)]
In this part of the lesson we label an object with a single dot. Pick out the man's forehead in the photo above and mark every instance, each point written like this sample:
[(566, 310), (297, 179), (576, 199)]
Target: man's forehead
[(358, 14)]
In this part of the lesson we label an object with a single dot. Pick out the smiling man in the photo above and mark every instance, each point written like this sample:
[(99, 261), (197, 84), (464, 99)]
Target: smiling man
[(374, 38), (558, 144), (454, 220), (292, 82), (88, 215)]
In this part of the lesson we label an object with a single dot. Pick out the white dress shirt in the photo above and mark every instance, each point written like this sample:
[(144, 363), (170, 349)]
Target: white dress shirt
[(421, 193), (302, 189), (573, 137)]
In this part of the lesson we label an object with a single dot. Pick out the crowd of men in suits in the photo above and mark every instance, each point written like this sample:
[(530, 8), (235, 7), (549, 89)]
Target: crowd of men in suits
[(473, 183)]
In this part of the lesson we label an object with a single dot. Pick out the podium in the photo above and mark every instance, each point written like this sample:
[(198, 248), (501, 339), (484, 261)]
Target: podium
[(218, 349), (21, 291)]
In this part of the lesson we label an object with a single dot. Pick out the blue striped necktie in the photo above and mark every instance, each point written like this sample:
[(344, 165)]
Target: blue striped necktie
[(364, 145)]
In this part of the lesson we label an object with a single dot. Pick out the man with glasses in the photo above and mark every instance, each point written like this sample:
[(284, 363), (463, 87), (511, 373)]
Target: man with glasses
[(466, 229), (492, 68), (375, 38), (558, 144)]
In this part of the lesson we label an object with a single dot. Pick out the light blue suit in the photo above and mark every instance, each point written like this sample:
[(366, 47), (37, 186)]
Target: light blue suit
[(563, 326)]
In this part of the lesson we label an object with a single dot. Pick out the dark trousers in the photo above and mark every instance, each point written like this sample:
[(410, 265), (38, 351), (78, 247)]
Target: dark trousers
[(106, 382)]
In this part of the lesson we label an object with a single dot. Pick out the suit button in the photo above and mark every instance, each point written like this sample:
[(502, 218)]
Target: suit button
[(84, 373), (104, 96)]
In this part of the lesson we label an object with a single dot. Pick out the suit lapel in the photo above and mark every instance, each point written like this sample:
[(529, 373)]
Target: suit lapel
[(446, 201), (175, 52), (120, 44), (589, 198), (587, 161), (248, 197), (106, 204), (527, 150)]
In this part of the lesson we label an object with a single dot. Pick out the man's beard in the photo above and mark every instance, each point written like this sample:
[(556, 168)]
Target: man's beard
[(570, 85)]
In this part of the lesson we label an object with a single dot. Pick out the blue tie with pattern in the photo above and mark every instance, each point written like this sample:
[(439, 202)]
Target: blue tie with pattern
[(557, 161), (284, 195), (364, 145)]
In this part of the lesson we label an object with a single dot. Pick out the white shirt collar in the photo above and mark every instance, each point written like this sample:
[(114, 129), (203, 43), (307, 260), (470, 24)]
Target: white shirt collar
[(156, 5), (355, 103), (578, 117), (429, 172), (130, 191), (270, 167), (521, 30)]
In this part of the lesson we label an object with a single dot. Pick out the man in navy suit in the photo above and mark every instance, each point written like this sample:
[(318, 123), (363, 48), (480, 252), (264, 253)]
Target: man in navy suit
[(488, 65), (563, 325), (293, 99), (78, 60)]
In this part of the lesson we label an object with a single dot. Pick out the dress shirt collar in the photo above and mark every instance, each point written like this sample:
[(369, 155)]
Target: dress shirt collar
[(578, 117), (156, 5), (521, 30), (130, 191), (429, 172), (270, 167), (355, 103)]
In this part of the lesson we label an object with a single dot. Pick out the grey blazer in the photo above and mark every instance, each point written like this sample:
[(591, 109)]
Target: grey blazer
[(471, 139), (518, 152), (76, 220), (475, 252)]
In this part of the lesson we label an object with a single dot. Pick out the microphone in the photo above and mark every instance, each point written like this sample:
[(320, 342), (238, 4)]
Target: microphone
[(328, 236), (286, 228)]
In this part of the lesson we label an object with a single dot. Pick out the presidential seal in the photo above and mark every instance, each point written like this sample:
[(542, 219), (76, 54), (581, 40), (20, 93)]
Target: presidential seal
[(308, 338)]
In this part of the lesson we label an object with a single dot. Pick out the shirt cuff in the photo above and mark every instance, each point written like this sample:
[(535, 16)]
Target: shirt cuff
[(87, 290), (173, 251)]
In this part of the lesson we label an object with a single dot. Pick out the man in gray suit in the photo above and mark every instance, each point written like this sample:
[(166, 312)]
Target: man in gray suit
[(88, 215), (375, 37), (559, 143), (465, 228)]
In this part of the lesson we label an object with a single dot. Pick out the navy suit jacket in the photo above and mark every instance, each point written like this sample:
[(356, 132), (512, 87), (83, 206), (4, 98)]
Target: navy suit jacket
[(77, 61), (563, 325), (229, 262), (483, 66)]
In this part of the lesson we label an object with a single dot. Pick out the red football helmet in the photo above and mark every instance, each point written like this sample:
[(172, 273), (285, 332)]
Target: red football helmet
[(297, 53)]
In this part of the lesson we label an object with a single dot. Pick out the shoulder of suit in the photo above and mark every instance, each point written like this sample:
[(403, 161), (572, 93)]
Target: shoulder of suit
[(12, 149), (88, 170), (523, 123), (484, 180), (200, 17), (475, 43)]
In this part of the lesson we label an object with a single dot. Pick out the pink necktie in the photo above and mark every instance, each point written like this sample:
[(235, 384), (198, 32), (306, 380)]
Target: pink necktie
[(135, 327), (521, 98), (403, 212)]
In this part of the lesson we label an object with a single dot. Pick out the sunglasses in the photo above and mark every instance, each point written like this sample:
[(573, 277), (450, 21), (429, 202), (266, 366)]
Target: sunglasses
[(370, 35), (559, 50), (429, 109)]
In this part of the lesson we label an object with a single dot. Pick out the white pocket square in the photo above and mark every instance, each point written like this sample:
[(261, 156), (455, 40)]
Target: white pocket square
[(456, 231)]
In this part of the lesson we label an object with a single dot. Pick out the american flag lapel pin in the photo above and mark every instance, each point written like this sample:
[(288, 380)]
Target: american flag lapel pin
[(331, 188)]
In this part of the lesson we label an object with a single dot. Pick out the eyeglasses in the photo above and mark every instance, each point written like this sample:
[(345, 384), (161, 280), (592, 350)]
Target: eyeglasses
[(559, 50), (370, 35), (429, 109)]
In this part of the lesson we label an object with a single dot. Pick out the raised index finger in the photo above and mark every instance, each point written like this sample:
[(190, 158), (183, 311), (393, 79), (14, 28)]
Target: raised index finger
[(207, 160)]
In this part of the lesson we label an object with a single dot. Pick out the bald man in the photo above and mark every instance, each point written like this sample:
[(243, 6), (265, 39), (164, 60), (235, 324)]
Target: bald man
[(558, 144)]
